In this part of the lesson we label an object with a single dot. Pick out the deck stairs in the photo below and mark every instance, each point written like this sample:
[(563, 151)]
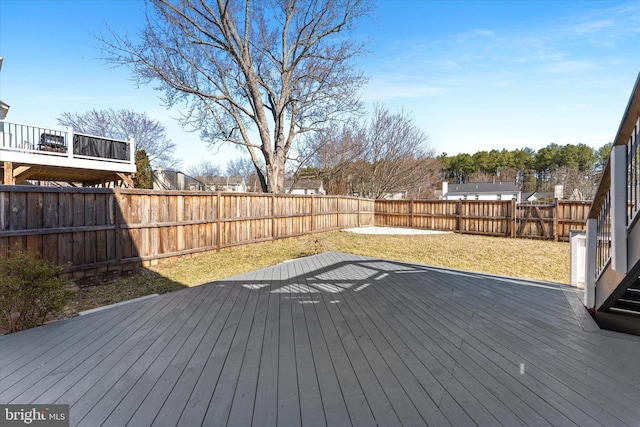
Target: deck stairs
[(629, 302), (612, 274)]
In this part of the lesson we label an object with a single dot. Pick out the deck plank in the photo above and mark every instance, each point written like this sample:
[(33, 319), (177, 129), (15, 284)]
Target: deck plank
[(312, 412), (337, 340), (265, 409), (78, 360), (157, 396), (176, 402), (241, 412)]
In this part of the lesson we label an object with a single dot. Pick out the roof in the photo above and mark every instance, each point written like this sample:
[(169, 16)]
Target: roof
[(483, 187), (303, 183), (4, 109), (221, 180), (538, 195), (334, 339)]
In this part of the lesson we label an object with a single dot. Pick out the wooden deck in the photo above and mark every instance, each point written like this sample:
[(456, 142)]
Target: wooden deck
[(334, 339)]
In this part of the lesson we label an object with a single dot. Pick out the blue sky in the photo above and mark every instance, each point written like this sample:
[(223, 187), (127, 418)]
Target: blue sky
[(474, 75)]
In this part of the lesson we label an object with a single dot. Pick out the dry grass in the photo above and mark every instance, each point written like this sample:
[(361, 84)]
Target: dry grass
[(530, 259)]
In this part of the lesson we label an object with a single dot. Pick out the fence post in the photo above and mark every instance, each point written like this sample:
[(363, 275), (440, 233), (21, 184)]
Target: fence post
[(459, 225), (411, 213), (219, 223), (118, 219), (358, 212), (513, 218), (273, 217), (337, 212), (313, 218), (555, 221)]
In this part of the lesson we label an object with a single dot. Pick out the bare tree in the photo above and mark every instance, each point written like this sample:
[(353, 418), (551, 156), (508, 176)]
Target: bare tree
[(149, 134), (203, 169), (277, 67), (243, 167), (386, 155)]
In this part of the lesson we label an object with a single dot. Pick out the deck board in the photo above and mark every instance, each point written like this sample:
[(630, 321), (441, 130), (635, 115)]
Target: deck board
[(334, 339)]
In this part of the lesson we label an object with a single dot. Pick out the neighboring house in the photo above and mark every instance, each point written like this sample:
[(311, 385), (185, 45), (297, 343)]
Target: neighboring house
[(481, 191), (304, 186), (234, 184), (537, 197), (397, 195), (169, 180), (176, 180)]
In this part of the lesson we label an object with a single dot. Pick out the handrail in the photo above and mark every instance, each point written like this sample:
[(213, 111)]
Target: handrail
[(616, 209), (629, 120)]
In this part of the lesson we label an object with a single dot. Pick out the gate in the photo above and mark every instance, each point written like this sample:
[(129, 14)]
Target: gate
[(535, 221)]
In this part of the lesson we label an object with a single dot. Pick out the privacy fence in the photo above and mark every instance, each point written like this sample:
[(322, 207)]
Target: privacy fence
[(491, 218), (109, 229)]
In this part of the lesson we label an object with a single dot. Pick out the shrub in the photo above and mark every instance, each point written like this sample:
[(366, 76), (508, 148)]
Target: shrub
[(30, 290)]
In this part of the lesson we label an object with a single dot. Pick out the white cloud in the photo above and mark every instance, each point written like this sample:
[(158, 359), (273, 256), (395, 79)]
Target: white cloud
[(592, 27)]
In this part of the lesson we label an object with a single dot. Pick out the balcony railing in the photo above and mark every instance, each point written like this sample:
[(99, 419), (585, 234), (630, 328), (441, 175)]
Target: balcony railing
[(614, 214), (603, 254), (40, 145)]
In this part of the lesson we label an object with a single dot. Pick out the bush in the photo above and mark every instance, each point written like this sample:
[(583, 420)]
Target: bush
[(30, 290)]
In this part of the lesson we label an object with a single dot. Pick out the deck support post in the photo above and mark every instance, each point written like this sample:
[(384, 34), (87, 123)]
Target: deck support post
[(7, 178), (619, 209)]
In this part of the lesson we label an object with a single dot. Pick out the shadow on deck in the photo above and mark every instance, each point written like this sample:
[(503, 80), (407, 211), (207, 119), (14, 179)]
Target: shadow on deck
[(334, 339)]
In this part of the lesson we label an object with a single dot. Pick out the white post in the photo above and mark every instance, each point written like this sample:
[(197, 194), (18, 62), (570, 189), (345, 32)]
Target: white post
[(618, 164), (590, 279), (70, 142), (132, 151)]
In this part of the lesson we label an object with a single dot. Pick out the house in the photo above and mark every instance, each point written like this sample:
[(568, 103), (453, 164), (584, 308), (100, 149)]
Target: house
[(169, 180), (481, 191), (176, 180), (537, 197), (396, 195), (303, 186), (234, 184)]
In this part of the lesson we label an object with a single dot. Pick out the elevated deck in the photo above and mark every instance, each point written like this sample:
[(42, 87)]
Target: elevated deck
[(30, 152), (334, 339)]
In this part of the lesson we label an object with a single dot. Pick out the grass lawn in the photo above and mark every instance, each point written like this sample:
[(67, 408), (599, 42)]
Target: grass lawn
[(530, 259)]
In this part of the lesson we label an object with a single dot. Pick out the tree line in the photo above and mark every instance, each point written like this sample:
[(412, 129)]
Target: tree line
[(577, 167)]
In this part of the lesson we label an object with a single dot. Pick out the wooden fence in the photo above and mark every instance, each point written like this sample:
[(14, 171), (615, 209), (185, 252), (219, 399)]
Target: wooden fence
[(492, 218), (107, 229)]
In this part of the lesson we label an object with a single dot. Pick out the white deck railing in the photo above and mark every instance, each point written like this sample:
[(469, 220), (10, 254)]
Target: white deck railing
[(38, 145)]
